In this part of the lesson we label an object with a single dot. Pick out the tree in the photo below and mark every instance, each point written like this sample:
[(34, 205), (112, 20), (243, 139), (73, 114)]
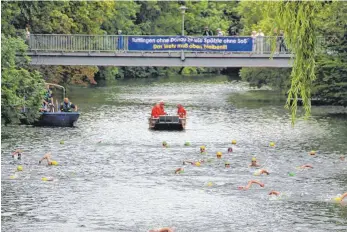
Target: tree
[(298, 21), (331, 82), (19, 87)]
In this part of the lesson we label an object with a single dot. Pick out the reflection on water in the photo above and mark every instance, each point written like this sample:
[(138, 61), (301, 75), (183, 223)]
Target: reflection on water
[(114, 175)]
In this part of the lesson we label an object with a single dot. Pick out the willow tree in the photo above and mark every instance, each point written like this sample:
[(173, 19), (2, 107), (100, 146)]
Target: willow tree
[(298, 21)]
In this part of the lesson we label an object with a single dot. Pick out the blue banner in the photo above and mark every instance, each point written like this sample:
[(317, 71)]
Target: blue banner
[(165, 43)]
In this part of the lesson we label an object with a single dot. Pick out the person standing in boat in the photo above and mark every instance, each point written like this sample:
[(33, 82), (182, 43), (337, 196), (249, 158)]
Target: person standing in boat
[(181, 112), (67, 106)]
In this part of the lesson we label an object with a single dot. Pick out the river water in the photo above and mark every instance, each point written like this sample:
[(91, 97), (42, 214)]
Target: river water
[(114, 174)]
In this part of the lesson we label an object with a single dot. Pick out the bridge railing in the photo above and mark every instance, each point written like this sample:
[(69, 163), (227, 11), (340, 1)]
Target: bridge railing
[(119, 43)]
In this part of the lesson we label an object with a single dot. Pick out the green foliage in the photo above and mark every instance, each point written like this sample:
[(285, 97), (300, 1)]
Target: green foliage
[(331, 83), (277, 78), (137, 72), (297, 20), (19, 87), (107, 73)]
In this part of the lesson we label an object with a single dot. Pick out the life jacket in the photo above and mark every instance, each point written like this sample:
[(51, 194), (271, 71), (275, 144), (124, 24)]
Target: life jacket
[(155, 112), (67, 107), (162, 111), (181, 112)]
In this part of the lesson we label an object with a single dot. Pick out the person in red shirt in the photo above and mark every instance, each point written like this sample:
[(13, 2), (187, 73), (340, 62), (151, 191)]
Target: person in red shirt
[(162, 111), (181, 112), (155, 111)]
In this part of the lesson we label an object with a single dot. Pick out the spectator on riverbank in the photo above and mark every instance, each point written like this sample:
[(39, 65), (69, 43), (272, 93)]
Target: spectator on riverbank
[(207, 32), (260, 42)]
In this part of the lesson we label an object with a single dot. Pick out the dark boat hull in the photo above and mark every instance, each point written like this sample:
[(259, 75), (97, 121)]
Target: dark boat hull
[(167, 123), (57, 119)]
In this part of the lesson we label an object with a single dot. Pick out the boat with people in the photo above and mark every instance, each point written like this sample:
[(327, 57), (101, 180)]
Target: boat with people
[(167, 122), (58, 115), (160, 120)]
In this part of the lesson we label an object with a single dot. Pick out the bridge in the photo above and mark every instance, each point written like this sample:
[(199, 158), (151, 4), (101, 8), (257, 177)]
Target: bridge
[(169, 51)]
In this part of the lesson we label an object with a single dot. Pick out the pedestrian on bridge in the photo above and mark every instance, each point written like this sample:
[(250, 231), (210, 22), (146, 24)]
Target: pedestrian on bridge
[(207, 32)]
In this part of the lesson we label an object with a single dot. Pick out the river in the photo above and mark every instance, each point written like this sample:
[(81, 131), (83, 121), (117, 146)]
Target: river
[(114, 174)]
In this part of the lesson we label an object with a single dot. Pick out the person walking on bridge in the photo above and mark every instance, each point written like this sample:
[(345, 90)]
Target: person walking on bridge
[(207, 32)]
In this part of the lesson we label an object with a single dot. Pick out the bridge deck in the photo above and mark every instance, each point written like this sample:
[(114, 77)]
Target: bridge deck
[(110, 50)]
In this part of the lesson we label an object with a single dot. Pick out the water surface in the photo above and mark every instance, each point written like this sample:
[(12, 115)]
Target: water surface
[(114, 175)]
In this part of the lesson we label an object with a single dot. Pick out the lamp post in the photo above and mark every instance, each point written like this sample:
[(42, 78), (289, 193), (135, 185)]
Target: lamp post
[(183, 11)]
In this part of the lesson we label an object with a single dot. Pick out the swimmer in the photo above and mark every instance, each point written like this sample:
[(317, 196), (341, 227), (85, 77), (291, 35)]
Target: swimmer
[(178, 170), (343, 196), (250, 184), (17, 152), (227, 165), (198, 163), (342, 158), (219, 155), (230, 149), (306, 166), (262, 171), (274, 193), (47, 156), (254, 163), (202, 149), (165, 229)]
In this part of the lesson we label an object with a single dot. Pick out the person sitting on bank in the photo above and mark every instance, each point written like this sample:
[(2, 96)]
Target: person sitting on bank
[(181, 112), (67, 106)]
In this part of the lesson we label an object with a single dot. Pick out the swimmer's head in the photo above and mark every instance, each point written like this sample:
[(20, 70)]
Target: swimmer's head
[(230, 149), (233, 141), (312, 152), (164, 143), (219, 155), (227, 164), (53, 162), (197, 164), (342, 158), (254, 159)]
